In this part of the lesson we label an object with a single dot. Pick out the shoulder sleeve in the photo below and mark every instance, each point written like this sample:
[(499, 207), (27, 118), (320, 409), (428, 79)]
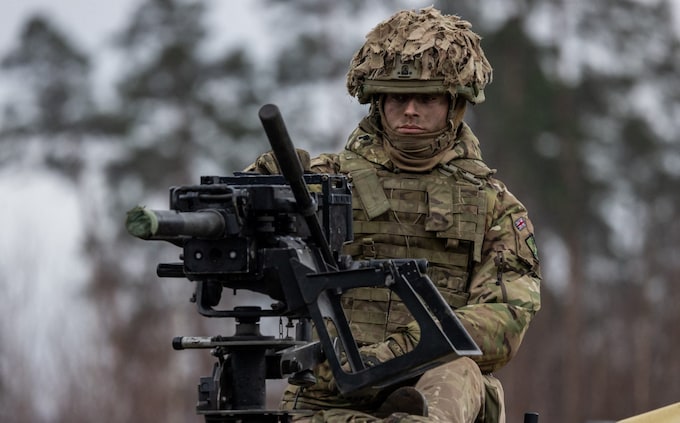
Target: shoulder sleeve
[(266, 164), (325, 163), (505, 284)]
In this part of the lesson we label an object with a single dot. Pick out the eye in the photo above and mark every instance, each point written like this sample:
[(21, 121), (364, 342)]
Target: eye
[(429, 98), (399, 98)]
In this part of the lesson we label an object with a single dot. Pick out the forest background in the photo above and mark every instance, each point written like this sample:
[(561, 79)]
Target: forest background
[(581, 122)]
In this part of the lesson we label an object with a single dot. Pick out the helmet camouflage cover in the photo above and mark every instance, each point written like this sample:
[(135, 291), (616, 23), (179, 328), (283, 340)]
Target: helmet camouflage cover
[(420, 52)]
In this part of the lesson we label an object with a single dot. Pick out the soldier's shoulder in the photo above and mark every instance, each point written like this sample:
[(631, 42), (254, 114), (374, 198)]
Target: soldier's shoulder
[(267, 164), (325, 163), (474, 167)]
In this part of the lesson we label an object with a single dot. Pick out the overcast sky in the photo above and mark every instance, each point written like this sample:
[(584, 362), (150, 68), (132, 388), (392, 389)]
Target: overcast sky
[(89, 20), (90, 24), (92, 20)]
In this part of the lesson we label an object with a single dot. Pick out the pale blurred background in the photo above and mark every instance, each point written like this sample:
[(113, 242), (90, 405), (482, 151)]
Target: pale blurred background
[(104, 105)]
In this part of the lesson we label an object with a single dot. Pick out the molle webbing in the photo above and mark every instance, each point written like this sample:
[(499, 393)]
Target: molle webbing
[(368, 311), (394, 251), (374, 313), (455, 211), (439, 216), (366, 183), (468, 217)]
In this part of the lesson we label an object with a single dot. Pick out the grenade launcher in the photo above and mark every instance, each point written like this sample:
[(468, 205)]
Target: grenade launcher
[(282, 236)]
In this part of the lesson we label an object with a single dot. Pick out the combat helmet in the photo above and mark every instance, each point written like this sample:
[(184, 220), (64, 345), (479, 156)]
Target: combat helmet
[(420, 52)]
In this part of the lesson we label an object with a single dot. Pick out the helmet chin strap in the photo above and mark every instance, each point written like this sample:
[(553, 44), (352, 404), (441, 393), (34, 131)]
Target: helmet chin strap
[(456, 112), (421, 152)]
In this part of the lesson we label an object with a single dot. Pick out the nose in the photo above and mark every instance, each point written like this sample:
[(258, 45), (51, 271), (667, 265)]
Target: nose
[(410, 107)]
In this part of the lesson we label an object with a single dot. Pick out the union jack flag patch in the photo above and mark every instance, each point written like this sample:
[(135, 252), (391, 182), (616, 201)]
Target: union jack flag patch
[(520, 224)]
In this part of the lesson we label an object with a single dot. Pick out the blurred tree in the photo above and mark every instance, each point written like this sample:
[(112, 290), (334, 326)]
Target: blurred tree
[(578, 107), (54, 94), (191, 112), (317, 40), (44, 121), (622, 267), (185, 105)]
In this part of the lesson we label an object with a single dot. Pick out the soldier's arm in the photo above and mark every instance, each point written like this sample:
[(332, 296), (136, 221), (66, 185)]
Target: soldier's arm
[(266, 163), (325, 163), (504, 288), (505, 285)]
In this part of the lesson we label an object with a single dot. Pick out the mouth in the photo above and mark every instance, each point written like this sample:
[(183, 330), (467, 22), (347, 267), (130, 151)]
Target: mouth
[(410, 129)]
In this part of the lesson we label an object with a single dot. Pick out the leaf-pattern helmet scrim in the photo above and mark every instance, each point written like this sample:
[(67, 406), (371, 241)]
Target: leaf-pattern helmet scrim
[(420, 52)]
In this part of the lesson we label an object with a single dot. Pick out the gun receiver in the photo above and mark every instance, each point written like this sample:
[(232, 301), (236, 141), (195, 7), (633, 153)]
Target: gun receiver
[(290, 166), (282, 236)]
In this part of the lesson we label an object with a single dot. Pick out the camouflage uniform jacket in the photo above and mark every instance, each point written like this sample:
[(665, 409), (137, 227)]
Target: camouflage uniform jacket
[(474, 233)]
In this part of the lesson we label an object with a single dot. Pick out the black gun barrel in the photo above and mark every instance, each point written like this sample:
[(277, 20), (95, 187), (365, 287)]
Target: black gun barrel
[(292, 170), (163, 224), (287, 158)]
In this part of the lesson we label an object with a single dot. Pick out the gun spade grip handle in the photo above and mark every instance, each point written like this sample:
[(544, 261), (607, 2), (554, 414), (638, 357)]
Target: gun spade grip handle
[(289, 162)]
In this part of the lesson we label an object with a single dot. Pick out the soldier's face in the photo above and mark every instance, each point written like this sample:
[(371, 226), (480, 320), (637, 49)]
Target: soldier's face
[(413, 114)]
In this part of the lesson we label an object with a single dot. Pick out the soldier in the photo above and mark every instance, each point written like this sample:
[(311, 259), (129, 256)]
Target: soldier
[(421, 190)]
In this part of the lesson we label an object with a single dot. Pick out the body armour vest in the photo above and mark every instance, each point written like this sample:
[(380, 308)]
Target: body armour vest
[(439, 216)]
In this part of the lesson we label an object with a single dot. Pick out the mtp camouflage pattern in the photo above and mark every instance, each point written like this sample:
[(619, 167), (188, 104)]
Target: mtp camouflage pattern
[(420, 52), (480, 244)]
